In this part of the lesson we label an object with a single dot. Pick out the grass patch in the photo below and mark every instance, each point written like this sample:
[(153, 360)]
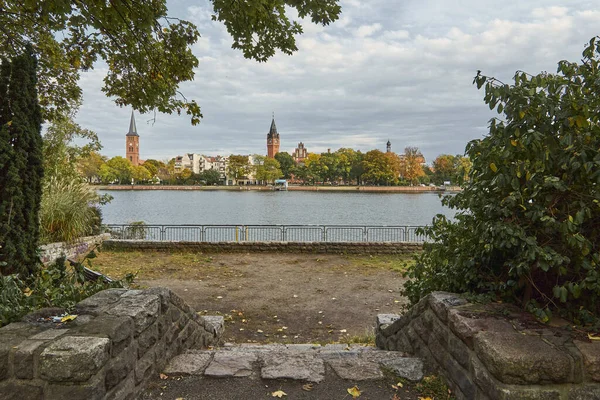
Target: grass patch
[(434, 387), (396, 263)]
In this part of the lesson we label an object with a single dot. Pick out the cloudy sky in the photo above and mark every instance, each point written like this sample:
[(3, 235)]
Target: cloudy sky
[(388, 69)]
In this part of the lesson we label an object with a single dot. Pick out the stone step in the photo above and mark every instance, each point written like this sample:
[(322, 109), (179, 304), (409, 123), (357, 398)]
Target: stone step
[(305, 362)]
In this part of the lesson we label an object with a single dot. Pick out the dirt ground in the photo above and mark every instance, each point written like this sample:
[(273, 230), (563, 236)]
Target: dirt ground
[(275, 298)]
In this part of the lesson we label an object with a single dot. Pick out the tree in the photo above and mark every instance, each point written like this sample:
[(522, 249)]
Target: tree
[(210, 177), (315, 170), (411, 168), (527, 228), (239, 167), (395, 164), (116, 169), (346, 161), (148, 53), (63, 151), (444, 168), (269, 170), (89, 166), (152, 166), (139, 173), (377, 169), (286, 164), (463, 169), (21, 168)]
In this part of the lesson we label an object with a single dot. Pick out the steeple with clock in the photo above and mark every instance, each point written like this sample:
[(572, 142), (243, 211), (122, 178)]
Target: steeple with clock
[(272, 140), (132, 149)]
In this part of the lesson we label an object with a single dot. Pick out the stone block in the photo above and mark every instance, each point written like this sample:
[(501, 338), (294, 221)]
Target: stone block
[(124, 390), (143, 367), (117, 328), (403, 344), (49, 334), (14, 390), (231, 364), (73, 358), (355, 369), (192, 362), (174, 314), (147, 339), (179, 303), (93, 390), (585, 392), (382, 323), (522, 359), (120, 366), (10, 336), (165, 297), (404, 367), (441, 302), (460, 377), (95, 304), (214, 325), (466, 325), (296, 365), (459, 351), (590, 352), (142, 307), (23, 358)]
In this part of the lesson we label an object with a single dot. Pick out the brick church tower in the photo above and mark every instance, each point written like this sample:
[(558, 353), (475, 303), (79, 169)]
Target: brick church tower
[(272, 140), (132, 143)]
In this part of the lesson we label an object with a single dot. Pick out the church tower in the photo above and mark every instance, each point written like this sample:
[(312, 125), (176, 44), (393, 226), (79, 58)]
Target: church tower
[(132, 143), (272, 140), (389, 147)]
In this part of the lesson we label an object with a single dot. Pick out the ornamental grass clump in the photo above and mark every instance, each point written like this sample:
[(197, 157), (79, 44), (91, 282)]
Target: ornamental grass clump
[(527, 228), (68, 210)]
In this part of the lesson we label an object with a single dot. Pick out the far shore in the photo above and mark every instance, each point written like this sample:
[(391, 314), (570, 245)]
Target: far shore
[(293, 188)]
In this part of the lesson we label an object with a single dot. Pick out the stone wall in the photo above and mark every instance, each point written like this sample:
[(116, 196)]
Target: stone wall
[(52, 251), (494, 351), (266, 247), (118, 340)]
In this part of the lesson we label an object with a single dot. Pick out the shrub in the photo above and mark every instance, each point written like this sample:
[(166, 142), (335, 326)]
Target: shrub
[(528, 223), (58, 285)]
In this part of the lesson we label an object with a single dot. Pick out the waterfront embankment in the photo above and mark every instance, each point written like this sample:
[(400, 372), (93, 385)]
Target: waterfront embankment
[(376, 189)]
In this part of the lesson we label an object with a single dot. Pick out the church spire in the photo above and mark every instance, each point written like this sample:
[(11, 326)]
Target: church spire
[(132, 127), (273, 130)]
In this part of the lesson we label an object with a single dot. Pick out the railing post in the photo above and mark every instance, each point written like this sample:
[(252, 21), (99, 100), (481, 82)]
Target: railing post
[(237, 233), (283, 234), (324, 234)]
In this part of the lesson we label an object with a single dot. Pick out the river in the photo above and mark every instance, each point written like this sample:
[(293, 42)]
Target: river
[(162, 207)]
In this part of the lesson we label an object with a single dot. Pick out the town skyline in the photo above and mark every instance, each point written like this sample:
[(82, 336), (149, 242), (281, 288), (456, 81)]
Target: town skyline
[(385, 70)]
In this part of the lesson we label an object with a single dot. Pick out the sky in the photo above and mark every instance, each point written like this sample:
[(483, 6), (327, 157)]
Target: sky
[(398, 70)]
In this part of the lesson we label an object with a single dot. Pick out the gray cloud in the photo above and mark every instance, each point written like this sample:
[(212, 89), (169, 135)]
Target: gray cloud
[(398, 70)]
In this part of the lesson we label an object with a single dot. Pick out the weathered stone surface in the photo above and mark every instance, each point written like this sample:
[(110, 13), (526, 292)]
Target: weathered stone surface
[(228, 364), (466, 325), (522, 359), (117, 328), (120, 366), (147, 339), (95, 304), (189, 363), (355, 369), (143, 308), (292, 365), (591, 358), (440, 302), (144, 366), (23, 358), (12, 390), (585, 392), (74, 358), (11, 335), (214, 324), (124, 390), (50, 334), (407, 368), (92, 390), (383, 321), (460, 377)]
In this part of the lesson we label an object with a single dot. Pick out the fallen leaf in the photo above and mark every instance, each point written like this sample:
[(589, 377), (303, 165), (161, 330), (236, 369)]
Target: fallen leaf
[(308, 387), (279, 393), (425, 398), (163, 376), (68, 318), (27, 292), (295, 295), (354, 392), (179, 398), (593, 337), (219, 297), (259, 331), (399, 384), (342, 331)]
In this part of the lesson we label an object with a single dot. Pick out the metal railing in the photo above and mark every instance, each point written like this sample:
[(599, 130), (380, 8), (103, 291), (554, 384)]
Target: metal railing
[(266, 233)]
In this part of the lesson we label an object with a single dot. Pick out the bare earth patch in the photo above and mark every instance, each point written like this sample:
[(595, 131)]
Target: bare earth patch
[(279, 298)]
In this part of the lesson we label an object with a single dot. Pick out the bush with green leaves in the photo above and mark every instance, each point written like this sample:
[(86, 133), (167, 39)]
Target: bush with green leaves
[(57, 285), (527, 228)]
